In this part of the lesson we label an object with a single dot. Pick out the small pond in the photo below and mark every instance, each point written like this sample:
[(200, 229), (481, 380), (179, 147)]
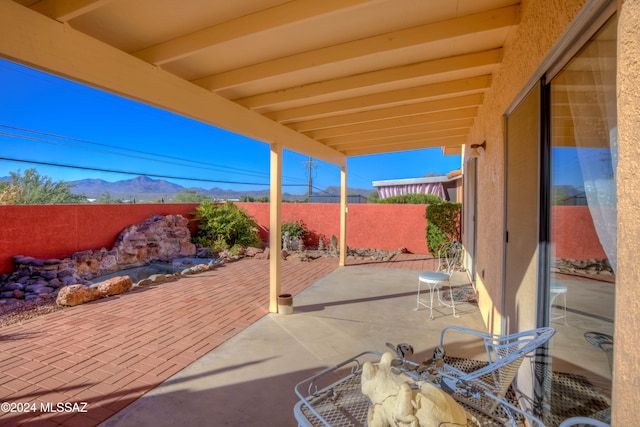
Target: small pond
[(138, 273)]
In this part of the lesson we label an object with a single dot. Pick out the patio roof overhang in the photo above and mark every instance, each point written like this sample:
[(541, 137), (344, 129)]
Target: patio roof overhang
[(326, 78)]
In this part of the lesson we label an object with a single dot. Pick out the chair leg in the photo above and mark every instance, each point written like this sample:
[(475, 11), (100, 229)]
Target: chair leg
[(419, 302), (453, 301)]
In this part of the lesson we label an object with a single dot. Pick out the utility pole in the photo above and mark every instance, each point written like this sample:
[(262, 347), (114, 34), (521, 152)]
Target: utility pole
[(309, 165)]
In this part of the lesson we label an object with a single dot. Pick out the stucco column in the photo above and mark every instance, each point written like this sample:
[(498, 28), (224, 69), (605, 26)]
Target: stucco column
[(275, 214), (343, 216), (626, 363)]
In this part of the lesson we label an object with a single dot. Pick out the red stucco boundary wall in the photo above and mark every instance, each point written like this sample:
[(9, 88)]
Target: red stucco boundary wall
[(57, 231)]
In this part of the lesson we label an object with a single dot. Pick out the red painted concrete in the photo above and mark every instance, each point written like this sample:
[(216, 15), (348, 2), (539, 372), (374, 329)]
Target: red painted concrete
[(379, 226), (57, 231)]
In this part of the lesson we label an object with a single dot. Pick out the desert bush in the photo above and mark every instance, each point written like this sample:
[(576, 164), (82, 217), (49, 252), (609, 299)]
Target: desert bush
[(295, 229), (413, 199), (443, 224), (222, 226)]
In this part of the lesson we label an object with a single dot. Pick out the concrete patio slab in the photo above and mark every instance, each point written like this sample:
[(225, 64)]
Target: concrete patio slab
[(249, 380)]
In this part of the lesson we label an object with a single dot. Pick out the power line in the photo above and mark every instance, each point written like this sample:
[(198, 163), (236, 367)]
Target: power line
[(35, 162), (215, 167)]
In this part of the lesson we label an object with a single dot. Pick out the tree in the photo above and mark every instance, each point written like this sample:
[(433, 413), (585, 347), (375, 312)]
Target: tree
[(190, 196), (9, 194), (42, 190), (106, 198)]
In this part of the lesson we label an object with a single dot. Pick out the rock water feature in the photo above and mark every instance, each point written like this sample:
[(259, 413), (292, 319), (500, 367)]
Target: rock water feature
[(158, 238)]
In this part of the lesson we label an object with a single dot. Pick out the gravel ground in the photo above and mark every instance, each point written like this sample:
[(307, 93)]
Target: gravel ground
[(25, 311)]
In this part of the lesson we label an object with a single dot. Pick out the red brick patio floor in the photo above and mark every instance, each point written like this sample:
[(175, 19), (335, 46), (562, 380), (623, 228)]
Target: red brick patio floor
[(108, 353)]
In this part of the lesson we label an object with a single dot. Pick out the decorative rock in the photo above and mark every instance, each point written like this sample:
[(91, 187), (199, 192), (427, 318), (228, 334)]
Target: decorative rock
[(66, 281), (32, 298), (251, 251), (144, 282), (263, 255), (18, 294), (15, 286), (44, 290), (76, 294), (114, 286), (49, 274), (158, 278), (55, 283), (32, 288), (64, 273)]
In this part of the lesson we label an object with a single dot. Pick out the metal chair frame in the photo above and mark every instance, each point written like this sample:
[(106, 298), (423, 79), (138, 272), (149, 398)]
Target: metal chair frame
[(449, 256), (505, 354)]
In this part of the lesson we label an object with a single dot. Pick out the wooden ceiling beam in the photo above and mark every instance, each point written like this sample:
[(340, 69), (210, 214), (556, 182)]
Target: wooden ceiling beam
[(454, 141), (373, 78), (65, 10), (262, 20), (440, 105), (444, 117), (35, 40), (419, 35), (379, 100), (404, 131), (391, 140)]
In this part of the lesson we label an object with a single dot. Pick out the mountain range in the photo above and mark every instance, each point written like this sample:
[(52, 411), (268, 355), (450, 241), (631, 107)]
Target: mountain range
[(143, 188)]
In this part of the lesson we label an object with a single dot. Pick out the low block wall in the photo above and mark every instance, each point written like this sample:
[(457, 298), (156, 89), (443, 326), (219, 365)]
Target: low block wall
[(574, 234), (378, 226), (57, 231)]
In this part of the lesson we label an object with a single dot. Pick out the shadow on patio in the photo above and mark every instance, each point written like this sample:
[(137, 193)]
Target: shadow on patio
[(249, 379)]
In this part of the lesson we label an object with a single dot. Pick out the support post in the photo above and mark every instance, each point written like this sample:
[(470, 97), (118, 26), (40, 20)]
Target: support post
[(344, 209), (275, 213)]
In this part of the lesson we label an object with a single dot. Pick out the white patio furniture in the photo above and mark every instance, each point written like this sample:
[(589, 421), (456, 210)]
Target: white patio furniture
[(334, 397), (583, 421), (559, 289), (449, 256), (505, 354)]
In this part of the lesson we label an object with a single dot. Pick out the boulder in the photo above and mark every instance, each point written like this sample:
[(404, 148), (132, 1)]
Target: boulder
[(76, 294), (114, 286), (252, 251), (262, 255)]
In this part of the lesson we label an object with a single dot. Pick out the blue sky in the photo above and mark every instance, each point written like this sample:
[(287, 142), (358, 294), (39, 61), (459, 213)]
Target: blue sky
[(48, 119)]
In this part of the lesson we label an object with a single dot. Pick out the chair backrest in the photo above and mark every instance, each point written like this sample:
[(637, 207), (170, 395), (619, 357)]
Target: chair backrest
[(449, 256), (604, 342), (505, 354)]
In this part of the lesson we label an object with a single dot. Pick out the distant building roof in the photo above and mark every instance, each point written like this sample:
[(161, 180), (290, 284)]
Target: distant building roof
[(426, 185), (451, 176)]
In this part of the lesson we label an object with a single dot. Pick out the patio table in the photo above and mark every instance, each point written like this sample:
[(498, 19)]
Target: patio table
[(333, 398)]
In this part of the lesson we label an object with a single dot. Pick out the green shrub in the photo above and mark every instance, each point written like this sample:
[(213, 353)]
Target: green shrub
[(222, 226), (295, 229), (443, 224), (413, 199)]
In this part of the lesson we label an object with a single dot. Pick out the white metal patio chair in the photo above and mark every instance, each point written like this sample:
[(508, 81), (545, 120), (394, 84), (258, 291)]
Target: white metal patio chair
[(583, 421), (329, 401), (449, 256), (471, 383), (604, 342)]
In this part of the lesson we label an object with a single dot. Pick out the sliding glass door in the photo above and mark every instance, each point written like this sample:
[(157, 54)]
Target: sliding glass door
[(580, 274)]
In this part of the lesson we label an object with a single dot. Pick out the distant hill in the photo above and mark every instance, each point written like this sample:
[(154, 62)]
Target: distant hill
[(143, 188)]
